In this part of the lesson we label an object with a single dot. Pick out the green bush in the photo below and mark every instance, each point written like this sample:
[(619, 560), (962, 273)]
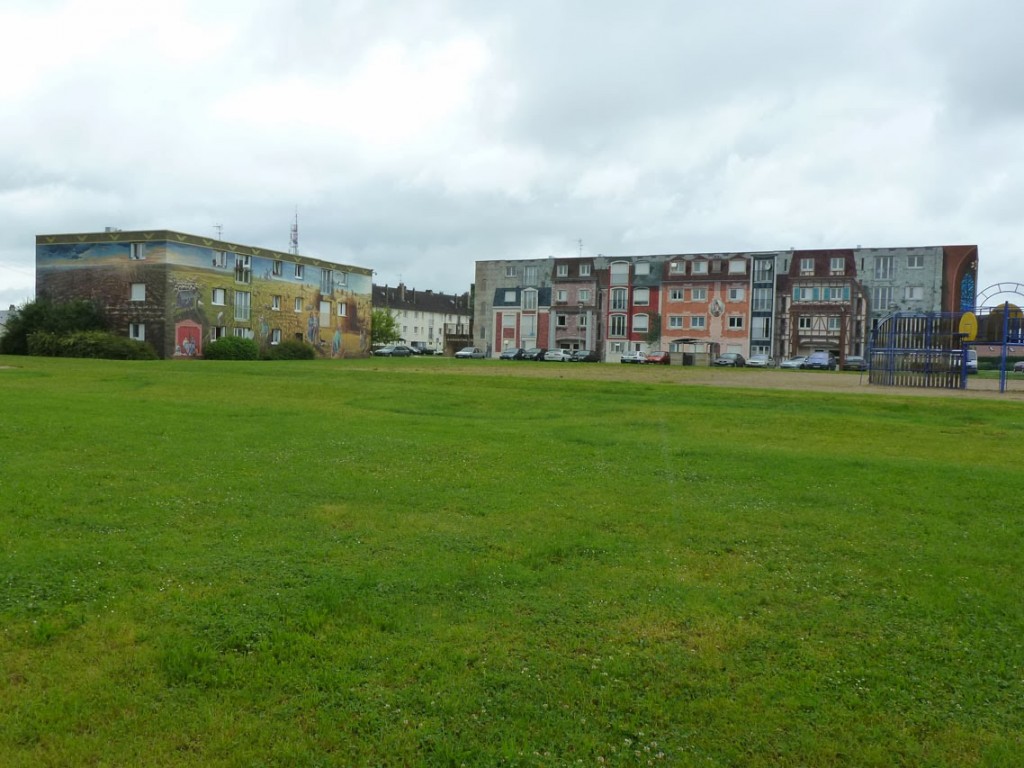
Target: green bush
[(232, 348), (43, 315), (291, 349), (94, 344)]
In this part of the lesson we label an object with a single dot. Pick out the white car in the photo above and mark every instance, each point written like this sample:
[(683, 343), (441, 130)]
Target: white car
[(761, 361), (558, 355), (633, 357), (470, 352)]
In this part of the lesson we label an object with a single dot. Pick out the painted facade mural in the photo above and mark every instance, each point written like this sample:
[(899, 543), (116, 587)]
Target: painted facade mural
[(179, 292)]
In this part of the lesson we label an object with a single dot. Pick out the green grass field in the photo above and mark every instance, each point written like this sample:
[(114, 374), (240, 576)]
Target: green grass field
[(360, 563)]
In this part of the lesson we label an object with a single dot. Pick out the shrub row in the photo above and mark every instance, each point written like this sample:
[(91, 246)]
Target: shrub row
[(236, 348), (97, 344)]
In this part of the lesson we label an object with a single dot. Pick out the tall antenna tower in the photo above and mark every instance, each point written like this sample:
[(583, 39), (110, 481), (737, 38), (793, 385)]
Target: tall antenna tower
[(220, 231), (293, 246)]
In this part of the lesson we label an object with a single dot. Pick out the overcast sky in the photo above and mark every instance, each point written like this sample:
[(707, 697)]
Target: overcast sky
[(414, 138)]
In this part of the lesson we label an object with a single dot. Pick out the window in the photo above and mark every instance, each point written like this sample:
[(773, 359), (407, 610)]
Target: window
[(562, 270), (698, 294), (219, 297), (619, 272), (833, 323), (881, 298), (325, 314), (138, 292), (342, 309), (735, 322), (642, 268), (218, 332), (617, 325), (640, 323), (883, 267), (528, 326), (243, 269), (299, 271), (275, 303), (137, 251), (699, 268), (529, 299), (915, 262), (737, 267), (698, 321), (560, 321), (584, 270), (510, 271), (837, 265), (530, 275), (675, 294), (806, 266), (242, 299), (804, 294), (298, 305), (581, 321), (220, 259), (510, 297), (761, 300), (275, 336), (804, 323), (762, 328), (618, 299), (675, 321), (278, 268), (242, 333), (763, 271), (736, 294), (677, 266), (561, 296), (326, 281), (137, 331), (913, 293), (642, 296), (617, 347), (584, 295)]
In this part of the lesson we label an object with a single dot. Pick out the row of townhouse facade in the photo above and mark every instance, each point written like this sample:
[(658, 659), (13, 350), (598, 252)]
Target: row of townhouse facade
[(781, 303)]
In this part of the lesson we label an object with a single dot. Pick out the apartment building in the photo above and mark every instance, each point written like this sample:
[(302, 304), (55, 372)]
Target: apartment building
[(178, 291), (436, 322)]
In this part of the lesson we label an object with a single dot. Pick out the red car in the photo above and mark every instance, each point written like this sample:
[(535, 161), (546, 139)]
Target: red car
[(658, 358)]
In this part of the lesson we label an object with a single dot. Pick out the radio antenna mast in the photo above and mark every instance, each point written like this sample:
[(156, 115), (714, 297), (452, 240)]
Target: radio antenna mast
[(293, 246)]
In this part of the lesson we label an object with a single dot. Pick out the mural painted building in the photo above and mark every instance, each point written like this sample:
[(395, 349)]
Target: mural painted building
[(178, 292)]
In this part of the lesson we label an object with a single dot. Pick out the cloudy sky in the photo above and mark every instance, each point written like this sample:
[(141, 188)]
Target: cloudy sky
[(414, 138)]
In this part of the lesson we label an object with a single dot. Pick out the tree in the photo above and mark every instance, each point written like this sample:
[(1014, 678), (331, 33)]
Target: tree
[(654, 330), (44, 315), (383, 328)]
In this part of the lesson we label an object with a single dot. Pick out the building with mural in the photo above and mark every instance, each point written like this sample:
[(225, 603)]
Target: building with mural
[(179, 292), (696, 305)]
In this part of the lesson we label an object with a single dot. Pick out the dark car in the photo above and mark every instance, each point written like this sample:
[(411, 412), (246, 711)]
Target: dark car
[(512, 353), (822, 361), (585, 356), (735, 359), (855, 363), (394, 350), (534, 353), (658, 357)]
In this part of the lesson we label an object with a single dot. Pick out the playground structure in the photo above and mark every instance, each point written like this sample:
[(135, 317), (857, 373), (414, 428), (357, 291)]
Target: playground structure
[(932, 349)]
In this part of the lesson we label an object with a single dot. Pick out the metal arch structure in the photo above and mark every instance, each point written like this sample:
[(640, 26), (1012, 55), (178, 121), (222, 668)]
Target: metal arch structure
[(997, 289)]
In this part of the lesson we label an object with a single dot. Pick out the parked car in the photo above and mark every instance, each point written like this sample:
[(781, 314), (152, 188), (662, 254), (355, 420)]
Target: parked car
[(633, 357), (794, 362), (558, 355), (394, 350), (512, 353), (534, 353), (972, 361), (824, 361), (735, 359), (470, 352), (761, 361), (658, 358), (855, 363), (585, 356), (1018, 367)]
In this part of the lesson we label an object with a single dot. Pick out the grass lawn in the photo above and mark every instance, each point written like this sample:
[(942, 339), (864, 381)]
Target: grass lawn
[(356, 563)]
